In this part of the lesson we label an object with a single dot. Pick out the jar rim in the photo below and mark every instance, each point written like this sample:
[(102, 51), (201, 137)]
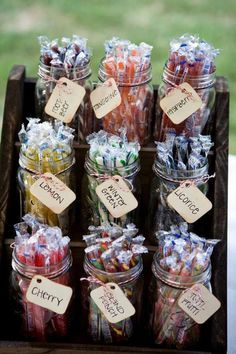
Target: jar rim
[(197, 82), (176, 175), (69, 161), (179, 281), (45, 71), (52, 271), (119, 277), (89, 163), (126, 80)]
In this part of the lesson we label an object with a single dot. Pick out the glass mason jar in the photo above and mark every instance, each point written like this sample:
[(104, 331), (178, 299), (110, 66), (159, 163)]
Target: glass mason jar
[(34, 321), (131, 282), (28, 172), (94, 211), (135, 111), (169, 324), (195, 123), (165, 181), (83, 121)]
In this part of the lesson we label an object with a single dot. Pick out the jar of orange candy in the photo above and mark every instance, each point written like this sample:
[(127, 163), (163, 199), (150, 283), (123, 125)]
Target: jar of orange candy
[(191, 60), (130, 66)]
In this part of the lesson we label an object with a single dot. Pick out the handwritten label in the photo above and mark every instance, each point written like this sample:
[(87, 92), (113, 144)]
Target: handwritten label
[(198, 303), (105, 98), (189, 202), (65, 100), (52, 192), (115, 194), (180, 103), (49, 294), (112, 302)]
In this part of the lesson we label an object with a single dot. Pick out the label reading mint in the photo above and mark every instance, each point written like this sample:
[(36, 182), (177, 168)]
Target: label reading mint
[(65, 100), (49, 294), (198, 303), (189, 202), (52, 192), (117, 197), (180, 103), (105, 98), (112, 302)]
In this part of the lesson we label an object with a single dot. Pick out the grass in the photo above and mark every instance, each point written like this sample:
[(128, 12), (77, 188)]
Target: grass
[(155, 22)]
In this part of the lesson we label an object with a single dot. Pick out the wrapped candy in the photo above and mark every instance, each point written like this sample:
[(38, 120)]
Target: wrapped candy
[(182, 260), (108, 155), (114, 256), (70, 59), (191, 60), (39, 250), (130, 65), (45, 148)]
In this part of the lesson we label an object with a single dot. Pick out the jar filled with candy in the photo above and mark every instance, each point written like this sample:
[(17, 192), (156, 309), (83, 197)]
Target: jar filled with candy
[(179, 159), (130, 66), (70, 60), (191, 60), (109, 155), (38, 250), (182, 260), (45, 149), (113, 254)]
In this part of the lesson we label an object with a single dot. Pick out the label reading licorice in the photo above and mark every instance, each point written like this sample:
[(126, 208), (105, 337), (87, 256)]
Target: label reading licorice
[(112, 302), (180, 103), (198, 303), (117, 197), (49, 294), (52, 192), (65, 100), (189, 202), (105, 98)]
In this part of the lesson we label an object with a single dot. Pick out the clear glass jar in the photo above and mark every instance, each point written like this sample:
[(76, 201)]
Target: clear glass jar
[(93, 210), (83, 121), (161, 216), (169, 324), (131, 282), (135, 111), (34, 321), (28, 172), (195, 123)]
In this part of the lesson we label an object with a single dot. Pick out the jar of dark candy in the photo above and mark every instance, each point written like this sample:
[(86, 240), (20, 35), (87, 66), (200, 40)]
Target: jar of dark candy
[(165, 181)]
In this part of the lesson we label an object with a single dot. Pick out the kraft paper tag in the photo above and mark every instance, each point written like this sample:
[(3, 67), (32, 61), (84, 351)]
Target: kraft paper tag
[(52, 192), (198, 303), (115, 194), (65, 100), (112, 302), (49, 294), (180, 103), (189, 202), (105, 98)]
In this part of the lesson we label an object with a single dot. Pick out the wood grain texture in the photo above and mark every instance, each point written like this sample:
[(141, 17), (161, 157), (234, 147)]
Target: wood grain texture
[(11, 124), (20, 104)]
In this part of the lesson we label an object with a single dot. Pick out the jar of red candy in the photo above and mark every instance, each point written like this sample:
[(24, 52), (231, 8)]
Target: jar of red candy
[(38, 250), (70, 60), (130, 66), (182, 260), (191, 60), (113, 255)]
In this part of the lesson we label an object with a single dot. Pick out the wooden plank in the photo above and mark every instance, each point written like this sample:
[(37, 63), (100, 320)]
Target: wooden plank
[(12, 119)]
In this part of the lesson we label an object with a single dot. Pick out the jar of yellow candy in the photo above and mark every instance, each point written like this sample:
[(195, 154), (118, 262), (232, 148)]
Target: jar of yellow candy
[(45, 149)]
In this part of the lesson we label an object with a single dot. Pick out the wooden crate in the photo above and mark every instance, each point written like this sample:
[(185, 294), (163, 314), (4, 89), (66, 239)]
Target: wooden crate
[(19, 104)]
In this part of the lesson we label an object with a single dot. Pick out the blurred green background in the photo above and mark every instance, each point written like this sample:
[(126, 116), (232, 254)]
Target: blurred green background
[(153, 21)]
